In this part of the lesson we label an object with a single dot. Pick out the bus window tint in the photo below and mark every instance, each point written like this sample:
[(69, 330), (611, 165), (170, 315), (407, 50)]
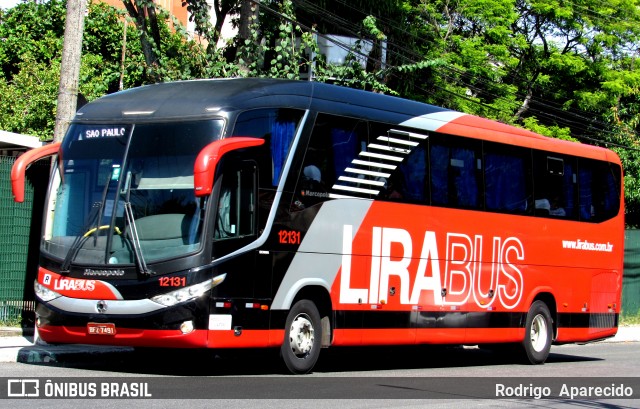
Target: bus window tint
[(344, 146), (237, 202), (507, 176), (335, 142), (598, 190), (455, 166), (555, 189), (409, 183), (277, 127)]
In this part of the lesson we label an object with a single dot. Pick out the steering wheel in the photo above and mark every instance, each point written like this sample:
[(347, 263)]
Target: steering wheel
[(105, 227)]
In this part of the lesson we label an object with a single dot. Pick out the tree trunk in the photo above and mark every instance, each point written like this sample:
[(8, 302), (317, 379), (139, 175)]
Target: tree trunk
[(70, 67), (246, 12), (149, 34)]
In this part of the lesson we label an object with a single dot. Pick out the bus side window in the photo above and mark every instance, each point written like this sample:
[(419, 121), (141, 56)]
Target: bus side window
[(408, 182), (335, 142), (409, 185), (236, 209), (599, 187), (312, 188), (455, 172), (555, 181), (507, 179), (277, 127)]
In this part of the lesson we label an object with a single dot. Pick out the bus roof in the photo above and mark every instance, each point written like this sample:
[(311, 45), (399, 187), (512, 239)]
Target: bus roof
[(200, 99), (204, 98)]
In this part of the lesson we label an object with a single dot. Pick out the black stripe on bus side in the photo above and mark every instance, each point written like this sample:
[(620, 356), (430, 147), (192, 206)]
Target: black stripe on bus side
[(588, 320), (377, 319), (407, 319)]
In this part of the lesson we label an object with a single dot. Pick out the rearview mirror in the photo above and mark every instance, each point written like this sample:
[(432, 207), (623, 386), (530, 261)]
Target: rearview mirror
[(210, 155)]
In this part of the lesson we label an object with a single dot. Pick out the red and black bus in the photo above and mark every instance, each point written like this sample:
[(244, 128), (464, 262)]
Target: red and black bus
[(244, 213)]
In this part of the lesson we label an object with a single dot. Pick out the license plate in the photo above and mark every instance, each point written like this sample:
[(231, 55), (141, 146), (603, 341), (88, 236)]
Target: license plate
[(94, 328)]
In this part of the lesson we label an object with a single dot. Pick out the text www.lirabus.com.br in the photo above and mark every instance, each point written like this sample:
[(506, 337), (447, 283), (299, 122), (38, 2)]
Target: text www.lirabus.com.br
[(587, 245)]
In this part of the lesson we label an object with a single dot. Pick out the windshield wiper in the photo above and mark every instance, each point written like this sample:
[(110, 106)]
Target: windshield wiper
[(89, 228), (135, 239), (133, 230)]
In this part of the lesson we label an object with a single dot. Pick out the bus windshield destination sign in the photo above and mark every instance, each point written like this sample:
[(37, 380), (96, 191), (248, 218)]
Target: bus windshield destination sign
[(104, 133)]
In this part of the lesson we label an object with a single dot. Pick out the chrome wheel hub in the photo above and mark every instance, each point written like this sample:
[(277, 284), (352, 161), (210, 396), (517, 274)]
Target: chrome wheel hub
[(301, 335)]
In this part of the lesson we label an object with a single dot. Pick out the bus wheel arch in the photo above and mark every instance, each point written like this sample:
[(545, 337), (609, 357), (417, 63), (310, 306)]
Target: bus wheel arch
[(307, 329), (550, 301)]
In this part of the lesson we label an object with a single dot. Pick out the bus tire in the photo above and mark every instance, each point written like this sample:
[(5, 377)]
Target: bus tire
[(302, 337), (538, 333)]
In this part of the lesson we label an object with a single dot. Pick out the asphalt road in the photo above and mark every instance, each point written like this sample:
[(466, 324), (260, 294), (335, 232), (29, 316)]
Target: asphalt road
[(348, 377)]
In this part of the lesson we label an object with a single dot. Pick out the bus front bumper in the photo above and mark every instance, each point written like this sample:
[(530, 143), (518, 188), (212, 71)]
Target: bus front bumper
[(180, 326)]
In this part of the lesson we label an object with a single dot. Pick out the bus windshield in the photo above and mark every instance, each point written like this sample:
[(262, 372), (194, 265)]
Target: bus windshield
[(146, 169)]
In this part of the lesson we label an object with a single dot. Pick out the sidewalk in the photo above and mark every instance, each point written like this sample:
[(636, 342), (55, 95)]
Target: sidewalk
[(14, 347), (626, 334)]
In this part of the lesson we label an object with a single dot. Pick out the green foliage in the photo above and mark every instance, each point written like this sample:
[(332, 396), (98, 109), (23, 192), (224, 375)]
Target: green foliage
[(251, 54), (629, 319), (567, 70), (11, 322), (284, 63), (370, 24), (627, 146), (552, 131), (30, 54), (277, 49), (28, 102), (30, 31)]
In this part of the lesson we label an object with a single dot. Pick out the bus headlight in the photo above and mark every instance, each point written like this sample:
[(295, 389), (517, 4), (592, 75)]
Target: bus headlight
[(187, 293), (44, 293)]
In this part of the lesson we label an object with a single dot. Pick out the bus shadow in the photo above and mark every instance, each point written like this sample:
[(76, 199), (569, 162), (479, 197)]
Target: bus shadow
[(428, 357), (565, 358), (248, 362)]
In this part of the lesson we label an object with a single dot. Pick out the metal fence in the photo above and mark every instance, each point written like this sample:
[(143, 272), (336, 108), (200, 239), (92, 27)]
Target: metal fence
[(19, 241), (631, 283)]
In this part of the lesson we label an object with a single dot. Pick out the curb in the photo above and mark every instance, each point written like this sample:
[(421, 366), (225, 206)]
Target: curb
[(626, 334), (15, 332)]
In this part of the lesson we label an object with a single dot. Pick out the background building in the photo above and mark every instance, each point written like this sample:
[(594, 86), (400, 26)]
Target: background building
[(173, 6)]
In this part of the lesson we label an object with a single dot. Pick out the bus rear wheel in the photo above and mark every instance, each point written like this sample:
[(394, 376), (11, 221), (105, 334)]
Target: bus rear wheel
[(538, 333), (302, 341)]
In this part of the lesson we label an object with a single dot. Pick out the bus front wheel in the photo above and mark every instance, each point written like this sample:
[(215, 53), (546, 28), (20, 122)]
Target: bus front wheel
[(303, 335), (538, 333)]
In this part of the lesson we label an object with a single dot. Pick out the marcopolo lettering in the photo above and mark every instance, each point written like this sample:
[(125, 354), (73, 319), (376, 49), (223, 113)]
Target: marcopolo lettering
[(462, 277), (102, 272)]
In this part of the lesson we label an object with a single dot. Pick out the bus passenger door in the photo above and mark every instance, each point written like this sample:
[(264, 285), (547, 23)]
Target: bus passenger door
[(234, 227)]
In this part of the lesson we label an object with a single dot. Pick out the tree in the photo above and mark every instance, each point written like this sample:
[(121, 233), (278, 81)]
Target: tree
[(32, 31), (223, 9), (30, 54), (70, 67), (28, 103), (563, 69), (148, 20)]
